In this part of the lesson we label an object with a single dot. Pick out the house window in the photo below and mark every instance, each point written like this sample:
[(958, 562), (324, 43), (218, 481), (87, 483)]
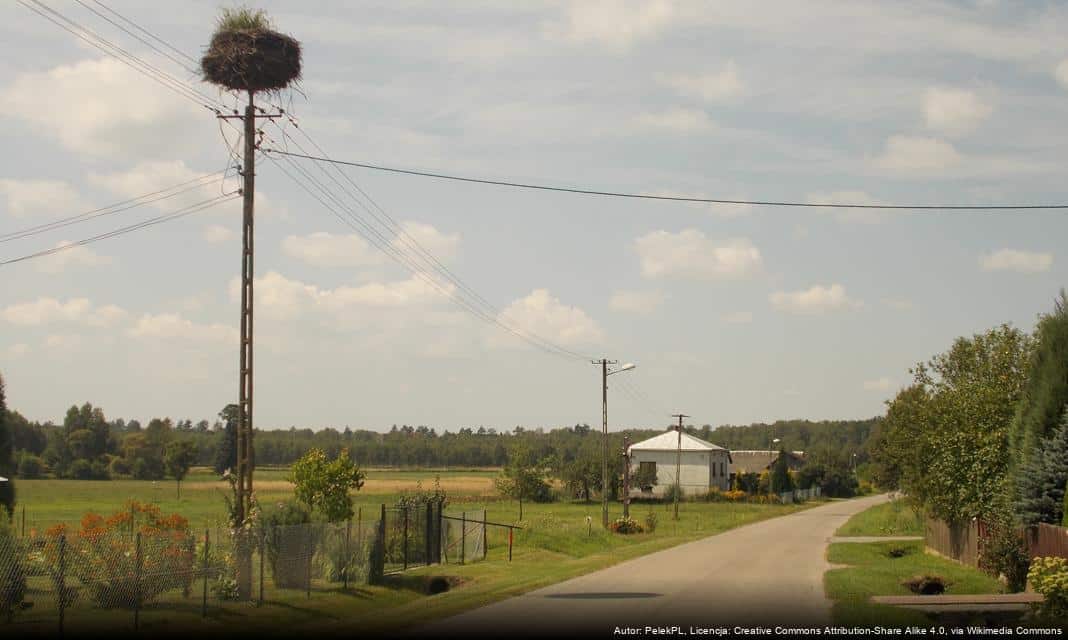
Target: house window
[(722, 470), (646, 475)]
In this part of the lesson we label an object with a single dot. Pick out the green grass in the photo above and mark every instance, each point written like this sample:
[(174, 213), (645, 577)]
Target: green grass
[(555, 544), (873, 572), (894, 518)]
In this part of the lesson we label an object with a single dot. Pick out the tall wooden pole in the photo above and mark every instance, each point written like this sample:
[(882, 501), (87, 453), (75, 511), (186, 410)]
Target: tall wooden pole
[(678, 462), (626, 477), (604, 457)]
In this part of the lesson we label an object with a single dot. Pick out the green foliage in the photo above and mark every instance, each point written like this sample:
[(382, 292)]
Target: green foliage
[(781, 482), (420, 497), (81, 469), (524, 478), (242, 19), (1041, 479), (7, 457), (291, 539), (119, 467), (226, 441), (671, 491), (945, 439), (831, 472), (30, 466), (644, 479), (1004, 551), (582, 475), (1049, 576), (1045, 393), (13, 575), (324, 485), (178, 456), (650, 521)]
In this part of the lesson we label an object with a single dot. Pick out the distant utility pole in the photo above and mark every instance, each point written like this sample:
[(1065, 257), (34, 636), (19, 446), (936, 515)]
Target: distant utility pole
[(678, 461), (626, 477), (604, 362)]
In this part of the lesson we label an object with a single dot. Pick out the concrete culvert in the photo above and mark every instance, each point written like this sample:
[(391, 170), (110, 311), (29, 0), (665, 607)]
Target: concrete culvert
[(927, 585)]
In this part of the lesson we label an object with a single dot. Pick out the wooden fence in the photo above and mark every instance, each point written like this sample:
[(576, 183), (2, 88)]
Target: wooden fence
[(960, 541), (963, 542)]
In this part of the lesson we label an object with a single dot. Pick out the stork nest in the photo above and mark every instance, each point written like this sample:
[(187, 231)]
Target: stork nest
[(251, 60)]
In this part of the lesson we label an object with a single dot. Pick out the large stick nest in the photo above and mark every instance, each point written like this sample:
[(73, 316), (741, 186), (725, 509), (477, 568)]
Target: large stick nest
[(251, 60)]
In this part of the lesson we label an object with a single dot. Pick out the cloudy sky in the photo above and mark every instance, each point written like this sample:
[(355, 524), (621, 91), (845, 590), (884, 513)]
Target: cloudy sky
[(733, 314)]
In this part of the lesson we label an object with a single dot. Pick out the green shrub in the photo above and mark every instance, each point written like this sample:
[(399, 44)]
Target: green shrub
[(291, 539), (1049, 576), (119, 467), (650, 521), (12, 574), (30, 466), (99, 471), (1004, 553), (670, 491)]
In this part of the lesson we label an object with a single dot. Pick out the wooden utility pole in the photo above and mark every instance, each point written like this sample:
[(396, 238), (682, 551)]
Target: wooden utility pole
[(604, 432), (626, 477), (678, 461)]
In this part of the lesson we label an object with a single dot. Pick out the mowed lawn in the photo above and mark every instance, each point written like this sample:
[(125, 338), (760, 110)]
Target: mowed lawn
[(894, 518)]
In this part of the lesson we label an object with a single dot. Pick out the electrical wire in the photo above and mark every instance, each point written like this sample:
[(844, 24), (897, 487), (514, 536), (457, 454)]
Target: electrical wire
[(140, 39), (644, 196), (125, 205), (167, 217)]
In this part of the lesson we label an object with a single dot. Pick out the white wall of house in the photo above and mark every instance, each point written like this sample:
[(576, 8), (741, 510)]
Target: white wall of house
[(699, 470)]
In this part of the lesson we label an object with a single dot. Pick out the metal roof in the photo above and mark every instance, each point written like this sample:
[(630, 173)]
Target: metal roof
[(668, 441)]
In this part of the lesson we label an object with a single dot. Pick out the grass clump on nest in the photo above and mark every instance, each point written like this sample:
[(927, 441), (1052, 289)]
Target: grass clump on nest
[(246, 54)]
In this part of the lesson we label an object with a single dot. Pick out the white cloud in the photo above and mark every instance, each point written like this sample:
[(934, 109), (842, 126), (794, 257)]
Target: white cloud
[(106, 316), (737, 317), (613, 23), (849, 197), (1061, 73), (545, 316), (281, 296), (636, 301), (814, 300), (953, 112), (46, 311), (713, 87), (18, 349), (50, 198), (322, 249), (103, 108), (174, 326), (1014, 260), (217, 234), (917, 153), (676, 120), (690, 254), (881, 384), (74, 256), (442, 246)]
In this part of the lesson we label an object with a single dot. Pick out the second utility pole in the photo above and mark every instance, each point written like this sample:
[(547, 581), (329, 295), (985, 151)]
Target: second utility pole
[(678, 461), (604, 432)]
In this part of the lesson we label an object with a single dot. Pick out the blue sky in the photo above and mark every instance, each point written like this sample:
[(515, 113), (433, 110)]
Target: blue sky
[(733, 314)]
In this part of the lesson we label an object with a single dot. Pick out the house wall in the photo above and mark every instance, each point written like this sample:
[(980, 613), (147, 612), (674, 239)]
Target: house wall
[(695, 471)]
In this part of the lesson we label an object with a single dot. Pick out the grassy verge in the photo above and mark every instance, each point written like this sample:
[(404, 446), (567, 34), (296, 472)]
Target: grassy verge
[(873, 571), (557, 543), (894, 518)]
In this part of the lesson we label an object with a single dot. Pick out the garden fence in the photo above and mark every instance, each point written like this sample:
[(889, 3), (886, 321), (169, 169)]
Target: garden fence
[(799, 495), (963, 542), (97, 580)]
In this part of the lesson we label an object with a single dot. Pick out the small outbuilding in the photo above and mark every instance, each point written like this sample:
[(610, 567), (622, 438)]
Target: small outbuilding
[(703, 465)]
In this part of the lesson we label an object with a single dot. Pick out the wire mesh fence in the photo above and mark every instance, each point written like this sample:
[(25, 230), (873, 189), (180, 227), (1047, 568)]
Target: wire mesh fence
[(464, 536)]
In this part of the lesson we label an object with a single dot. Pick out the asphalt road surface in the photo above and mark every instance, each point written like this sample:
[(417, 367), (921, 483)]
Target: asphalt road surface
[(766, 573)]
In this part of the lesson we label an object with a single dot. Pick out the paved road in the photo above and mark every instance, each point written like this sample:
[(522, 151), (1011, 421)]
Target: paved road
[(766, 573)]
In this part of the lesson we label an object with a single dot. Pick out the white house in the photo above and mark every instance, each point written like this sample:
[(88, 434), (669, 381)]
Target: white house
[(703, 466)]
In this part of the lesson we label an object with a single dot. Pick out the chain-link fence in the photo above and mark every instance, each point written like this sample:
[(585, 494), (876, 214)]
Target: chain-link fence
[(464, 536)]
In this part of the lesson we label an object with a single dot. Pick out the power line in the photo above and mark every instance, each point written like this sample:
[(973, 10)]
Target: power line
[(644, 196), (125, 205), (139, 38), (146, 32), (167, 217)]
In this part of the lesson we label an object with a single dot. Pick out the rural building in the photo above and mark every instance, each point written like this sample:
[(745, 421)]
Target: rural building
[(758, 461), (704, 465)]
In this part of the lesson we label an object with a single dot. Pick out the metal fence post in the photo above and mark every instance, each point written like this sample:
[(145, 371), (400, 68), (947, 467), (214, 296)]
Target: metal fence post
[(137, 580), (485, 535), (463, 535), (429, 530), (263, 552), (204, 602), (347, 558), (510, 530), (359, 527), (405, 545), (307, 563), (62, 570)]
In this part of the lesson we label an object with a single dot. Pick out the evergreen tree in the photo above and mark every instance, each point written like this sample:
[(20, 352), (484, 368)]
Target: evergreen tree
[(1045, 393), (7, 457), (1040, 483), (780, 474)]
